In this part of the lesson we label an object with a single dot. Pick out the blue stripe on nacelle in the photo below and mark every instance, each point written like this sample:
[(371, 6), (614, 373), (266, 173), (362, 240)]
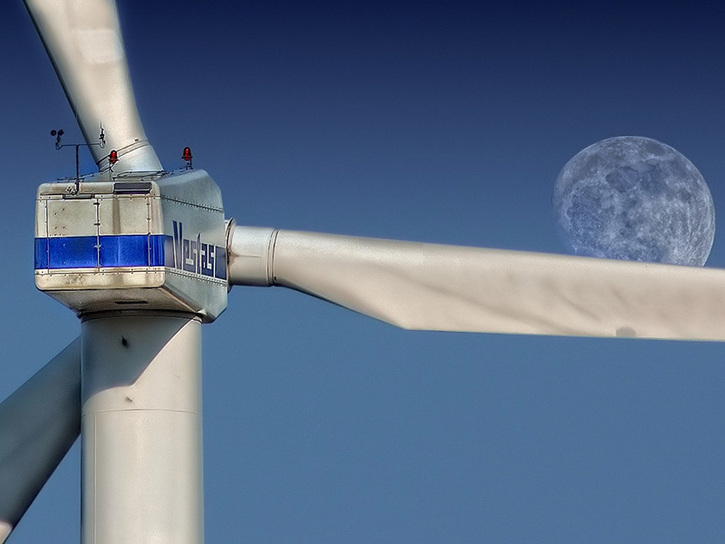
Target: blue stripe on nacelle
[(127, 250), (130, 251), (41, 253)]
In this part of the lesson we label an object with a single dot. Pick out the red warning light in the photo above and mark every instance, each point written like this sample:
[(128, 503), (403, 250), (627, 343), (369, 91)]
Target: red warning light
[(187, 154), (113, 157)]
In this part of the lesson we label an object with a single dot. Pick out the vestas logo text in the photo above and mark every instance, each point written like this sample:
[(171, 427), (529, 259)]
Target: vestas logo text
[(195, 256)]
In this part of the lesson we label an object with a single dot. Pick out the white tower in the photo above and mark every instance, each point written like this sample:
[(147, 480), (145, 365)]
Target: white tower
[(140, 255)]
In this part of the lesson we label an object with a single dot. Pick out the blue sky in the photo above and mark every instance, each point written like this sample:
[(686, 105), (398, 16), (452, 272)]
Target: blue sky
[(441, 123)]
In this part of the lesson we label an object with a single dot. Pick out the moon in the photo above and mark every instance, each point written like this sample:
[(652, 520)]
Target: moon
[(636, 199)]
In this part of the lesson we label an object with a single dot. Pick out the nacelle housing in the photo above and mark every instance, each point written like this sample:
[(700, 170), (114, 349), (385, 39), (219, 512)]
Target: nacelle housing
[(136, 242)]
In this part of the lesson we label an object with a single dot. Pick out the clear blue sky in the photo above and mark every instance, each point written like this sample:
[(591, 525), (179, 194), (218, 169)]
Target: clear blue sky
[(442, 123)]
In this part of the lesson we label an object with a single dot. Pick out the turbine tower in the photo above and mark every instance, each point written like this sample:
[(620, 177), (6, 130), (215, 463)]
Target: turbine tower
[(145, 257)]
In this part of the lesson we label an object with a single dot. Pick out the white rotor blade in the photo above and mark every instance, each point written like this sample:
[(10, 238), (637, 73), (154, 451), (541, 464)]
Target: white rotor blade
[(38, 425), (452, 288), (84, 42)]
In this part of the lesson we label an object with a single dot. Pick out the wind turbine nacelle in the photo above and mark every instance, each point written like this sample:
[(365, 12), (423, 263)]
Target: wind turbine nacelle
[(137, 242)]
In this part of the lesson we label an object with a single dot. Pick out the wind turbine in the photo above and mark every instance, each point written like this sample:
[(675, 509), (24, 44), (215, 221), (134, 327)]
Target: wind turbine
[(408, 284)]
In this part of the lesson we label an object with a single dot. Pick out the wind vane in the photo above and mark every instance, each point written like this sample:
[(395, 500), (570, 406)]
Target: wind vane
[(101, 143)]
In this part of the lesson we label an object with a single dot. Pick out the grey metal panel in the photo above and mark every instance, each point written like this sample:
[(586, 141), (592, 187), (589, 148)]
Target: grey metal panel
[(191, 207), (192, 187), (71, 217), (41, 218), (125, 214)]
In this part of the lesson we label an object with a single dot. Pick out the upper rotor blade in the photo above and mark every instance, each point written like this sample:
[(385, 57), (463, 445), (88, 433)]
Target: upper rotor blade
[(84, 42), (452, 288), (38, 425)]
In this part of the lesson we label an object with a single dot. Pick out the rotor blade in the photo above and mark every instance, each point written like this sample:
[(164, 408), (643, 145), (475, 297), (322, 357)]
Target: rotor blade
[(38, 425), (84, 42), (453, 288)]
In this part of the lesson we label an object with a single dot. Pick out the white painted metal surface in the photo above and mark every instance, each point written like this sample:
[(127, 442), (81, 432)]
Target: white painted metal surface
[(449, 288), (251, 251), (141, 430), (86, 47), (38, 425)]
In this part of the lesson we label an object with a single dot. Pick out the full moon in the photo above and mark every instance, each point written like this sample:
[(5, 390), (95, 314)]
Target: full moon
[(637, 199)]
